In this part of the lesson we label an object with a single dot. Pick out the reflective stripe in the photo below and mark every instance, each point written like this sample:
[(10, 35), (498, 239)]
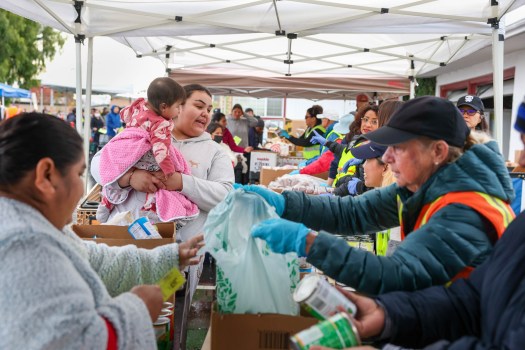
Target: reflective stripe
[(339, 136), (345, 157), (314, 150), (495, 210)]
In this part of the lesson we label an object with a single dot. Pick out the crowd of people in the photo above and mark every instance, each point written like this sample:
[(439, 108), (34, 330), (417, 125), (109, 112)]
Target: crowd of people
[(422, 173)]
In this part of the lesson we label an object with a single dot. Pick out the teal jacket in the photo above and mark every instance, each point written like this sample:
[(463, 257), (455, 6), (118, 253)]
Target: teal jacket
[(454, 237)]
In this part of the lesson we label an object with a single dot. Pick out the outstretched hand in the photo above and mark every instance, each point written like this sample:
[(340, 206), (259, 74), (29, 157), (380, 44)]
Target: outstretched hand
[(351, 162), (318, 139), (188, 251)]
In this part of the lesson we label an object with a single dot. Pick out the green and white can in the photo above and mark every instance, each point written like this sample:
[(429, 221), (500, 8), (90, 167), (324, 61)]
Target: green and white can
[(337, 332), (162, 332), (321, 299)]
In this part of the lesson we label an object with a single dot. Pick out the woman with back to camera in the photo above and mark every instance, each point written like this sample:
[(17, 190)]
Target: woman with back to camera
[(451, 201), (49, 278)]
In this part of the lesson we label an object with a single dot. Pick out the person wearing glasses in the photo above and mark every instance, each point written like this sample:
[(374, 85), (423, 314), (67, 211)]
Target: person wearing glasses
[(311, 150), (473, 112), (451, 200)]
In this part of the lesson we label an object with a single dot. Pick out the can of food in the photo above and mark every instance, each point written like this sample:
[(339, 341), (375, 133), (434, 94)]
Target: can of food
[(169, 306), (321, 299), (162, 332), (337, 332)]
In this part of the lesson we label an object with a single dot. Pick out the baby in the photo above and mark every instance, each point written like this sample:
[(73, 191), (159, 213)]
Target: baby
[(146, 144), (156, 116)]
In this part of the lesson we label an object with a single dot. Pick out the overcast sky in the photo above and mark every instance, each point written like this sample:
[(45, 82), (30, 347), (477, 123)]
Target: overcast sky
[(115, 67)]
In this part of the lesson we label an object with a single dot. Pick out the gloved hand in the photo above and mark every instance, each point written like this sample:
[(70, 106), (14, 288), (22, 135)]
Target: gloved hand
[(294, 172), (353, 161), (284, 133), (352, 186), (236, 186), (318, 139), (283, 236), (275, 199)]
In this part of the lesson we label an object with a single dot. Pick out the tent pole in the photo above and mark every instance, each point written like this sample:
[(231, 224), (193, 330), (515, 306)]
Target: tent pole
[(498, 37), (78, 42), (87, 110), (412, 78), (284, 107)]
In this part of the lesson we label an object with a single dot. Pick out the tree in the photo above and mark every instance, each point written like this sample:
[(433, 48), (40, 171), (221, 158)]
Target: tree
[(25, 46)]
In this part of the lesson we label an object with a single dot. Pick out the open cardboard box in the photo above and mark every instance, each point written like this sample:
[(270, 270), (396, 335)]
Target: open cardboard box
[(254, 331), (268, 174), (119, 235)]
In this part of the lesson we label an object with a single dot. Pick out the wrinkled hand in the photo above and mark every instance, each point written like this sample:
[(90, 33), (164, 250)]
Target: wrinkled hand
[(318, 139), (275, 199), (283, 236), (188, 251), (351, 162), (144, 181), (151, 295), (284, 133), (352, 186), (370, 319)]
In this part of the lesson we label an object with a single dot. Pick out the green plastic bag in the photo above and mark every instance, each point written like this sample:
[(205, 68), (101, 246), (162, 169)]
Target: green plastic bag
[(250, 277)]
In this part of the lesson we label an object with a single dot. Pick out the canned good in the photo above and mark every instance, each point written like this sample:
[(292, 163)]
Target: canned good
[(168, 311), (337, 332), (162, 333), (321, 299)]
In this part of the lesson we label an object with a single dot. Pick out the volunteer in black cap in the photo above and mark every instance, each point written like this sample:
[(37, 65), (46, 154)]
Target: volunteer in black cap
[(451, 201), (473, 112)]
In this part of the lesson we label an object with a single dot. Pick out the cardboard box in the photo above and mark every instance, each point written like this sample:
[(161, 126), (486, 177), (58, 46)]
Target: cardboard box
[(295, 127), (269, 174), (258, 159), (119, 235), (255, 332)]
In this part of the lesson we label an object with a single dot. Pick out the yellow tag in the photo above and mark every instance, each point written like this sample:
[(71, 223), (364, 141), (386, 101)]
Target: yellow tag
[(171, 282), (237, 140)]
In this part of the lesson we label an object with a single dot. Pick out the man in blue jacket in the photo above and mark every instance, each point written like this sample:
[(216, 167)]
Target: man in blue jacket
[(485, 311)]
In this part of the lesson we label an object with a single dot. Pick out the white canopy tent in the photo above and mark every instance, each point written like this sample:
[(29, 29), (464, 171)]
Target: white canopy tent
[(392, 39)]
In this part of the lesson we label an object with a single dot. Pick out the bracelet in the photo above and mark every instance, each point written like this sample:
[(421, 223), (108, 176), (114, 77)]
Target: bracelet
[(130, 175)]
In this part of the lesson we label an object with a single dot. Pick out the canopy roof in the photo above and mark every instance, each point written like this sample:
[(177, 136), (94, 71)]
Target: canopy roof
[(8, 91), (343, 40)]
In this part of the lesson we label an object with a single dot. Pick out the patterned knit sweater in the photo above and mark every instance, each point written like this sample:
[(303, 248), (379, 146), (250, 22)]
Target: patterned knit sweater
[(51, 296)]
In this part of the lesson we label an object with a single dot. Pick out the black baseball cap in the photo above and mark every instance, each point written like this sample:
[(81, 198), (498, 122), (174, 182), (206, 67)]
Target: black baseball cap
[(471, 101), (368, 150), (429, 116)]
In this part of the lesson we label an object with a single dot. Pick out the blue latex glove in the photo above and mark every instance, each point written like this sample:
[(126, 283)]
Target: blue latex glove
[(353, 161), (284, 133), (283, 236), (236, 186), (275, 199), (295, 172), (302, 164), (352, 186), (318, 139)]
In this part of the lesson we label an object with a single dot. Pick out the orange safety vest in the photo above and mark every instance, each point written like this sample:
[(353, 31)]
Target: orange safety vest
[(496, 211)]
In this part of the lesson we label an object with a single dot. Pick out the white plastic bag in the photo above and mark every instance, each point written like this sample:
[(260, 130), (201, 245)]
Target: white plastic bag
[(250, 277)]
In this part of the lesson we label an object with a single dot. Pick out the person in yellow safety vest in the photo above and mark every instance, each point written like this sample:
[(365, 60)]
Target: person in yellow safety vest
[(367, 119), (313, 123), (451, 199)]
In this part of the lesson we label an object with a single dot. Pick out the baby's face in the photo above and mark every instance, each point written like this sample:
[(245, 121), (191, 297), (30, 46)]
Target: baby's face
[(172, 111)]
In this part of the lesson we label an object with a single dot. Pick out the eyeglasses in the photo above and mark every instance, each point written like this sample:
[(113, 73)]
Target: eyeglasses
[(370, 121), (469, 112)]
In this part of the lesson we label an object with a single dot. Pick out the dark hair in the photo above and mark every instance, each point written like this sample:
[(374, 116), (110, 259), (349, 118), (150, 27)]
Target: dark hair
[(237, 106), (212, 127), (217, 116), (355, 127), (164, 90), (386, 110), (314, 111), (29, 137), (191, 88), (482, 125), (248, 110)]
